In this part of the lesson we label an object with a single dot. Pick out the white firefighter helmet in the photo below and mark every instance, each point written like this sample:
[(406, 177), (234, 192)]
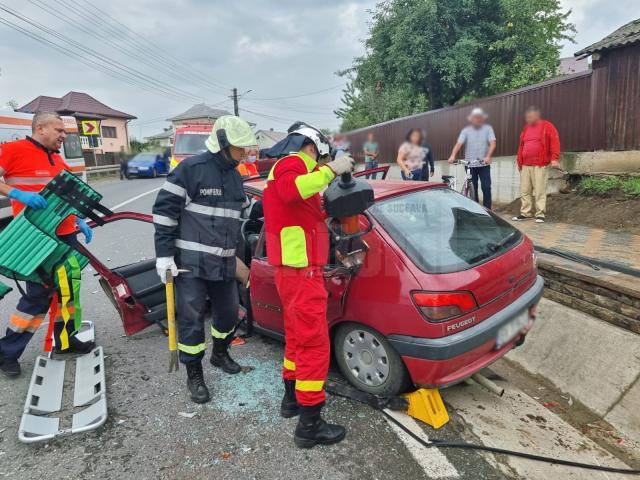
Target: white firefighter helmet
[(316, 136), (230, 130)]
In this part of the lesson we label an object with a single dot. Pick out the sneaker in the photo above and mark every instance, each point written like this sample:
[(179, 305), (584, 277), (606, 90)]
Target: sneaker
[(539, 219), (517, 218), (9, 366)]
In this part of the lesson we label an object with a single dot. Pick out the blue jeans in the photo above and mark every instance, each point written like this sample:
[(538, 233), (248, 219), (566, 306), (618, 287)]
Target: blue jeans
[(415, 175), (484, 175), (367, 166)]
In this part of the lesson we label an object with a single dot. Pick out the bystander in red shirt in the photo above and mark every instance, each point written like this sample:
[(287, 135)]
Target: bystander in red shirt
[(539, 145)]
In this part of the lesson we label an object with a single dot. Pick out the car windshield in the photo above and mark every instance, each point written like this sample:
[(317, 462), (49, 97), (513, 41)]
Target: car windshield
[(72, 146), (190, 143), (443, 231), (145, 157)]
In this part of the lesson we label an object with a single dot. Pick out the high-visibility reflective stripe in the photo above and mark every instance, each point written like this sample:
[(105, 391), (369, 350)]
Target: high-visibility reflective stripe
[(192, 349), (309, 162), (309, 385), (199, 247), (65, 292), (175, 189), (162, 220), (288, 364), (35, 323), (271, 175), (76, 273), (293, 245), (221, 335), (213, 211), (27, 180), (19, 324), (312, 183)]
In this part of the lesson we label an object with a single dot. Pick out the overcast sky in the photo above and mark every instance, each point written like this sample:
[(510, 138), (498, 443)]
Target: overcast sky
[(203, 48)]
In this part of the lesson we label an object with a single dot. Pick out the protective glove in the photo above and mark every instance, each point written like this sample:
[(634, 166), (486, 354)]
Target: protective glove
[(342, 164), (30, 199), (85, 229), (163, 264)]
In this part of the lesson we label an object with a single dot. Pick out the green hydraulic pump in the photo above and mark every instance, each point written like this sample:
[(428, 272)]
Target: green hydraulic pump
[(345, 199), (29, 247)]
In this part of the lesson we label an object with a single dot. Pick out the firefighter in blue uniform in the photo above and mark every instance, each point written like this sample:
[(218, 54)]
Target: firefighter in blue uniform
[(197, 224)]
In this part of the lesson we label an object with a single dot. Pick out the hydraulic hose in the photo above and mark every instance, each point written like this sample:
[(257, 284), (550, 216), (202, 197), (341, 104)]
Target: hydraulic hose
[(512, 453), (591, 262), (397, 403)]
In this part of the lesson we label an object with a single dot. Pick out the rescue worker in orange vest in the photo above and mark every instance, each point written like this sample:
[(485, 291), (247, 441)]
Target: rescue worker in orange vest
[(27, 166), (297, 242), (247, 167)]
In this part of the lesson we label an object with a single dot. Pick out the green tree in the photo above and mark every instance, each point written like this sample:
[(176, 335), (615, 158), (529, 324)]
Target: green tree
[(136, 146), (432, 53)]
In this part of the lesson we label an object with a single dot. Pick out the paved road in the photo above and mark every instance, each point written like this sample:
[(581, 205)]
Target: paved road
[(239, 434)]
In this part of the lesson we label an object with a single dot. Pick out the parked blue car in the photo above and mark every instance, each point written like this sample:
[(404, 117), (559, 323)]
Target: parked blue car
[(146, 164)]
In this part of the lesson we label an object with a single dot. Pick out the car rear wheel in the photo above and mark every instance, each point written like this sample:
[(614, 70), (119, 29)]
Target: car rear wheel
[(368, 361)]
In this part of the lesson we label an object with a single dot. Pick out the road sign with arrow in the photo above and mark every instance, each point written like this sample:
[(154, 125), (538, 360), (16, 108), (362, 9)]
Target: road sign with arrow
[(90, 127)]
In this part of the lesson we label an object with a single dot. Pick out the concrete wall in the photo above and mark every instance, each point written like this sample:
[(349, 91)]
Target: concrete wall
[(602, 162), (594, 361), (121, 142), (506, 178)]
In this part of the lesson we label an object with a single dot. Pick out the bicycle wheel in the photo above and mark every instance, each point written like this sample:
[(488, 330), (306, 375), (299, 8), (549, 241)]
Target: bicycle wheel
[(468, 190)]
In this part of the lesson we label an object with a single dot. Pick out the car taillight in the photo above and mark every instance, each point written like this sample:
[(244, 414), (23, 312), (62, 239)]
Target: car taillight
[(441, 306)]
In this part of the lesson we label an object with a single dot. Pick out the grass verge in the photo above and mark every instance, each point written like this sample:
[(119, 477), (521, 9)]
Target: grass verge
[(604, 186)]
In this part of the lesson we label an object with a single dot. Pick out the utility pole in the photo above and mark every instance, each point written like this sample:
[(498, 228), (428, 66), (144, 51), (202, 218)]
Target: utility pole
[(236, 110)]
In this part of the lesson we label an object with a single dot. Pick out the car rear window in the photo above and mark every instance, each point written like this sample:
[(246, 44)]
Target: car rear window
[(443, 231)]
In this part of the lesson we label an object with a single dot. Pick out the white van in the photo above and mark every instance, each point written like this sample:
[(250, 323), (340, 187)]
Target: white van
[(16, 126)]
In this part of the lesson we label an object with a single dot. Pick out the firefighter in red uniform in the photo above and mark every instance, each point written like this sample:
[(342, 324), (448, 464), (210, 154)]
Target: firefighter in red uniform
[(27, 166), (297, 242)]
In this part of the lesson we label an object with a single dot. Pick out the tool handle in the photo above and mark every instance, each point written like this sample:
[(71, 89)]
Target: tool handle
[(171, 313)]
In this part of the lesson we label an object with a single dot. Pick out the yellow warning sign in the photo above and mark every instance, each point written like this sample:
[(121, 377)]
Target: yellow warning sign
[(90, 127)]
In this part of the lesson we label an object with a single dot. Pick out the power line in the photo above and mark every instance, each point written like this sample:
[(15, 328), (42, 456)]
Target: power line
[(83, 60), (285, 108), (162, 86), (308, 94), (271, 117), (129, 32), (78, 57), (152, 61)]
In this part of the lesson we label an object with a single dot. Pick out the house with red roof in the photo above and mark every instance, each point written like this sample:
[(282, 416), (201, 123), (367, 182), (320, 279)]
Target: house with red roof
[(113, 124)]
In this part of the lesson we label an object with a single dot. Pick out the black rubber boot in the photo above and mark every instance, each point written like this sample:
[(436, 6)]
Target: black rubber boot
[(289, 406), (220, 357), (312, 430), (195, 382), (9, 366), (75, 345)]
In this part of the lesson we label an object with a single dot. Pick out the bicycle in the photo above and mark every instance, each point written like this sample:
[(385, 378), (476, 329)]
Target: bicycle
[(467, 188)]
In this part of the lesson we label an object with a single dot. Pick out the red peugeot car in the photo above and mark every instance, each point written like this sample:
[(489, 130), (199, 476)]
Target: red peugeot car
[(446, 289)]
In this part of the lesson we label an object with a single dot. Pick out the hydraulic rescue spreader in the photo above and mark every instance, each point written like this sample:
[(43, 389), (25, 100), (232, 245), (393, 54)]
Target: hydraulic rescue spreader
[(345, 199)]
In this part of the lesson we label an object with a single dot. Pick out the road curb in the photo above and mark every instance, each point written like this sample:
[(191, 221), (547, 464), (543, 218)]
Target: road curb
[(592, 360)]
